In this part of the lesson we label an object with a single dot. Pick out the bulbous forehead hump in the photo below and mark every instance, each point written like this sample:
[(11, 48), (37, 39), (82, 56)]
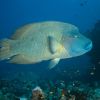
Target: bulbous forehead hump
[(70, 29)]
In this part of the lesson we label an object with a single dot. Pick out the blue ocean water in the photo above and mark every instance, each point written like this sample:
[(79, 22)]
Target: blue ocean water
[(85, 14)]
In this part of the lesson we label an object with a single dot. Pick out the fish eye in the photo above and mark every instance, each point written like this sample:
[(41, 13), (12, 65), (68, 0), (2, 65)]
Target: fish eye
[(76, 36)]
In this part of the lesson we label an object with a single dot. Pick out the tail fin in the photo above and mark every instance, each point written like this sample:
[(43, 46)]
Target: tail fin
[(5, 52)]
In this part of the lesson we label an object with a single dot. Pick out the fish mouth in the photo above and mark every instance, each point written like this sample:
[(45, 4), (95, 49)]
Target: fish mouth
[(88, 46), (81, 51)]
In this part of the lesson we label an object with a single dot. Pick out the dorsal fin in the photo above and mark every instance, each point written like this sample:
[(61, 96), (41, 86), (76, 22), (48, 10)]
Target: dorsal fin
[(21, 31)]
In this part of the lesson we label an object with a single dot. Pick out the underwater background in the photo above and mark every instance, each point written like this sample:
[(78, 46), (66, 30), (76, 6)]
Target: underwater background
[(85, 69)]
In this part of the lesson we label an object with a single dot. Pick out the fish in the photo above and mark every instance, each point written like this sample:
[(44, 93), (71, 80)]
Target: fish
[(43, 41)]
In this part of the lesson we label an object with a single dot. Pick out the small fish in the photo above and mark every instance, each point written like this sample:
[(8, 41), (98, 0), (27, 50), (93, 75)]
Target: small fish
[(84, 3), (42, 41)]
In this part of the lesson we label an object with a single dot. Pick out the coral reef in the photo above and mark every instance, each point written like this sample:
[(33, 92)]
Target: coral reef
[(47, 90)]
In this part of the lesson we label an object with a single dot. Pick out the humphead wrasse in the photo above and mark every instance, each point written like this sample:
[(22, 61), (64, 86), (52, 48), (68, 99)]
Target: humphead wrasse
[(49, 40)]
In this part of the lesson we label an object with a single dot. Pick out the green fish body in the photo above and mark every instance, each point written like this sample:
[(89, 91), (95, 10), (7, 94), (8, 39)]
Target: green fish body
[(49, 40)]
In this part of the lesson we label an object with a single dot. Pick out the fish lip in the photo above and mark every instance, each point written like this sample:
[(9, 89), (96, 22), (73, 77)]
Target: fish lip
[(88, 46), (81, 53)]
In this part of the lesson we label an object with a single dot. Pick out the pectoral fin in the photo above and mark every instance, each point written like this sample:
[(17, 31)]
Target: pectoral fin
[(53, 44), (54, 62)]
